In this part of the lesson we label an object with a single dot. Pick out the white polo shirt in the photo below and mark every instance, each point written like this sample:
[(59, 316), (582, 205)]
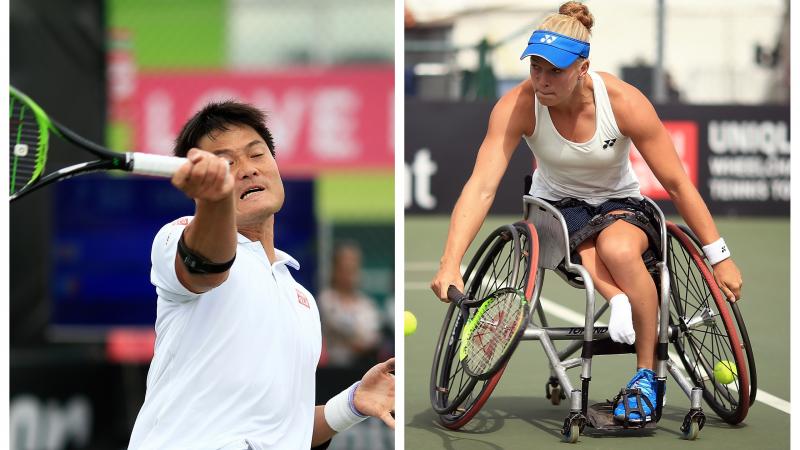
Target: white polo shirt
[(234, 364)]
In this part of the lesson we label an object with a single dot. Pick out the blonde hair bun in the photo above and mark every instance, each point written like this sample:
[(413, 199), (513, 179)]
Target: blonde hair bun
[(578, 11)]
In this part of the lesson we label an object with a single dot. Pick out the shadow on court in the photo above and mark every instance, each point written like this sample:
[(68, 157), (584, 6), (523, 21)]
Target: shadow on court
[(542, 418)]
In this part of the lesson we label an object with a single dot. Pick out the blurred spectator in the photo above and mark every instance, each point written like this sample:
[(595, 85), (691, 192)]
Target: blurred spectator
[(351, 322)]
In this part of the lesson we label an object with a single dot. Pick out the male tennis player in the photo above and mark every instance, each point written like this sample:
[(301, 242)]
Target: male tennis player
[(238, 340)]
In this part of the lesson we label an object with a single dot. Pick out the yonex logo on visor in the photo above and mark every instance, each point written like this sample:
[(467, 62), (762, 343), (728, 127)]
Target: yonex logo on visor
[(558, 49)]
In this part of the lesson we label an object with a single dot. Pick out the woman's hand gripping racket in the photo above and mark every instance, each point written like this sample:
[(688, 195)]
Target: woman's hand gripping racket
[(493, 328), (29, 133)]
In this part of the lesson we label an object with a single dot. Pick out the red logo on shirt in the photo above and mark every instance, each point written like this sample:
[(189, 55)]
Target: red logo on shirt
[(301, 298)]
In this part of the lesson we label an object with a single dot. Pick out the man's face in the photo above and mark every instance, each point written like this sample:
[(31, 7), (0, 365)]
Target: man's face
[(258, 187)]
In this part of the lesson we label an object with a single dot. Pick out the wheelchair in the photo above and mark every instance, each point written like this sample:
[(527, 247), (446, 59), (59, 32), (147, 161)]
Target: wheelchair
[(702, 326)]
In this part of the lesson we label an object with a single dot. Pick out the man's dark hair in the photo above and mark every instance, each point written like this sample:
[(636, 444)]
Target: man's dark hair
[(218, 117)]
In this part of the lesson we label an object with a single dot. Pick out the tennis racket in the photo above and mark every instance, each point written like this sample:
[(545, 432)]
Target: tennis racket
[(493, 327), (29, 132)]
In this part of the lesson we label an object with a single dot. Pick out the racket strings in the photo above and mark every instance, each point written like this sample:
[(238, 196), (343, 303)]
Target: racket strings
[(25, 161), (492, 329)]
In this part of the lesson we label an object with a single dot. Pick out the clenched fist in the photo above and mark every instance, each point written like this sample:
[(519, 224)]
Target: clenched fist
[(204, 176)]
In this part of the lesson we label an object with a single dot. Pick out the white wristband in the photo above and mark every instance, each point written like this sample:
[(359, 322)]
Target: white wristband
[(716, 251), (341, 412)]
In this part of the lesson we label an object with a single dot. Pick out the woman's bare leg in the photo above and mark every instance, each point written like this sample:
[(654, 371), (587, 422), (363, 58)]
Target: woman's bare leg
[(620, 248), (623, 247)]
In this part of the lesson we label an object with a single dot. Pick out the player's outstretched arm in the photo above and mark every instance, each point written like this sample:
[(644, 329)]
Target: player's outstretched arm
[(211, 235), (506, 126), (373, 396)]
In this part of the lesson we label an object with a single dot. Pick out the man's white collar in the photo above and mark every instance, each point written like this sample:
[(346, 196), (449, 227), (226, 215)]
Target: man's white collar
[(282, 257)]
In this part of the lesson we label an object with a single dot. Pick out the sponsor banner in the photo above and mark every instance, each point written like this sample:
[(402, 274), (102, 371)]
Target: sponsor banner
[(321, 118), (63, 397), (442, 140), (684, 136), (737, 157), (749, 160), (744, 156)]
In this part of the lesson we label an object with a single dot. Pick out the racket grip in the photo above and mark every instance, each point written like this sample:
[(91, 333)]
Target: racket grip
[(156, 165), (455, 295)]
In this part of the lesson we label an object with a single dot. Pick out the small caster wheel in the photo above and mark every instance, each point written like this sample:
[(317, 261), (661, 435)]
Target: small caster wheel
[(573, 427), (553, 391), (692, 424), (692, 431), (571, 436)]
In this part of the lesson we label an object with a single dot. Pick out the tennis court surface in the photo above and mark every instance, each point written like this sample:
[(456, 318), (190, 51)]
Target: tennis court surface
[(518, 415)]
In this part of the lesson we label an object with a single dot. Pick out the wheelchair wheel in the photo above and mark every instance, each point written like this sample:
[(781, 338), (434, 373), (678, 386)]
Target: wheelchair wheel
[(746, 347), (507, 258), (707, 334)]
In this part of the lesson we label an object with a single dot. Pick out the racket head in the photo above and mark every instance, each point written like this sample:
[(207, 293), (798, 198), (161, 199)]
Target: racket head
[(494, 328), (29, 136)]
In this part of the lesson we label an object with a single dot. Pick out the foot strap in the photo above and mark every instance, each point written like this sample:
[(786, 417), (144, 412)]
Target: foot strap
[(623, 396)]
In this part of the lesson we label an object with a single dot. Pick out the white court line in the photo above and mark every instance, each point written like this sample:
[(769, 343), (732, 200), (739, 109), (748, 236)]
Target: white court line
[(578, 319), (771, 400)]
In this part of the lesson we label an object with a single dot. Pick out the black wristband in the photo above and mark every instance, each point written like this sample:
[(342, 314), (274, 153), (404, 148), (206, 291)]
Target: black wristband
[(197, 264)]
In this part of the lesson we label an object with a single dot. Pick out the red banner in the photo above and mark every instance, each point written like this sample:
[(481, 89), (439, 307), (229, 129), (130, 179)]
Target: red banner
[(321, 118), (684, 136)]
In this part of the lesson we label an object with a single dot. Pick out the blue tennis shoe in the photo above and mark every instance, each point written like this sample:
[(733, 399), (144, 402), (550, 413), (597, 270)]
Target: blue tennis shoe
[(638, 399)]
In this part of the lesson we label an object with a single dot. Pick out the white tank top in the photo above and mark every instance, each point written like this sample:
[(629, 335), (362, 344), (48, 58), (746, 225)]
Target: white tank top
[(593, 171)]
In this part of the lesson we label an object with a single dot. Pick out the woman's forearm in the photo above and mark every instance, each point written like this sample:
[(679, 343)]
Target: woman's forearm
[(694, 211), (468, 215)]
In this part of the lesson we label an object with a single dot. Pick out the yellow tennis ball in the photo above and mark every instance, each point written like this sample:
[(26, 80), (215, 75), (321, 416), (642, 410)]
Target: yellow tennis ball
[(409, 323), (725, 372)]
